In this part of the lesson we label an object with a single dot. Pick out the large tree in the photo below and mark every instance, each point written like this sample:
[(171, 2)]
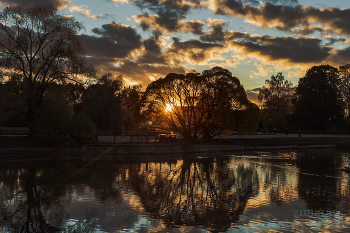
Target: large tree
[(319, 100), (275, 97), (197, 105), (41, 46)]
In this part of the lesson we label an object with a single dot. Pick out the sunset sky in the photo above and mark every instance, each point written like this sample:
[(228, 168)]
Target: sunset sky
[(143, 40)]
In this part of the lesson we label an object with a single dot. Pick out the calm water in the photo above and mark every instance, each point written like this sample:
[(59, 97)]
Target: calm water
[(256, 192)]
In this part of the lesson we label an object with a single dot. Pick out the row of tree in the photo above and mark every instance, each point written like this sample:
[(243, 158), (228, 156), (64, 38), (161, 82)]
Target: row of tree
[(321, 100), (200, 105), (72, 108)]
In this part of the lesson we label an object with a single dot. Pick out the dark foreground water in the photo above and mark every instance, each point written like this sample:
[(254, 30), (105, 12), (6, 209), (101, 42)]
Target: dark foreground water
[(256, 192)]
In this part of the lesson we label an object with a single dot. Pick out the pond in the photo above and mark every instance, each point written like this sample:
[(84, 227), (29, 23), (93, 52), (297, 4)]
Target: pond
[(248, 192)]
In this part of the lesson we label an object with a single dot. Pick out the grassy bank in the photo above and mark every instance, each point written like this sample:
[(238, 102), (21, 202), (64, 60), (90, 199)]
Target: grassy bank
[(340, 142), (20, 142)]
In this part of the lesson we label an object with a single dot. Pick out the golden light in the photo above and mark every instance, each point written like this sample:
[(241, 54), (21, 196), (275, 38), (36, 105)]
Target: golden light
[(168, 108)]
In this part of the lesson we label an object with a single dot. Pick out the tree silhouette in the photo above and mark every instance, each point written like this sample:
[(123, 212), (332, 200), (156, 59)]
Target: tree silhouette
[(40, 46), (276, 105), (195, 193), (101, 102), (199, 104), (319, 99), (131, 97), (320, 191)]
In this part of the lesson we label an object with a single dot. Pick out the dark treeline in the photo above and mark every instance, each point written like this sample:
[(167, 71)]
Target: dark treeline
[(320, 101), (73, 108), (47, 84)]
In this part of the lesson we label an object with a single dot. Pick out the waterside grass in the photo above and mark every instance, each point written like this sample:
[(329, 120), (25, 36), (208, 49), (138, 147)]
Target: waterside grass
[(340, 142)]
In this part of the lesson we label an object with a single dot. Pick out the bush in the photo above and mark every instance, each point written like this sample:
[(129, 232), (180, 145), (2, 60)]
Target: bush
[(52, 120), (58, 126), (82, 129)]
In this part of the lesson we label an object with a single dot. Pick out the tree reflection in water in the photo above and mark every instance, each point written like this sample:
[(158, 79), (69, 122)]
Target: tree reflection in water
[(24, 203), (206, 192), (212, 193), (34, 198), (319, 184)]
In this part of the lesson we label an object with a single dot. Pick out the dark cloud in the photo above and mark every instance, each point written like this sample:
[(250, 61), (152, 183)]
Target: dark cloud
[(196, 27), (340, 57), (114, 40), (153, 53), (118, 32), (171, 25), (280, 16), (333, 40), (110, 52), (169, 13), (218, 34), (334, 18), (287, 17), (309, 29), (104, 47), (103, 64), (56, 3), (192, 44), (195, 50), (293, 50), (176, 8), (168, 19), (135, 71), (273, 1)]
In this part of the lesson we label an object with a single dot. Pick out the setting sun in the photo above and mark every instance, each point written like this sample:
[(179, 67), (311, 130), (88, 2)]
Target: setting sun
[(168, 108)]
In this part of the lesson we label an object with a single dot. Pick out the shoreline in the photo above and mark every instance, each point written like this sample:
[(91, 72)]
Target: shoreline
[(137, 152), (183, 149), (27, 149)]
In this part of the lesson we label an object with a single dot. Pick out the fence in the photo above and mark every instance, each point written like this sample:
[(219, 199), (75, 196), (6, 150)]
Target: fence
[(104, 136), (128, 133)]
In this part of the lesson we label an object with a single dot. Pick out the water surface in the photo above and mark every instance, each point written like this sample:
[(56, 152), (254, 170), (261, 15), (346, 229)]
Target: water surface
[(251, 192)]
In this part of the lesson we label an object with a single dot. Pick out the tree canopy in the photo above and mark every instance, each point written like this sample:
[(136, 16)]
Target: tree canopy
[(199, 105), (276, 105), (318, 98), (276, 88)]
